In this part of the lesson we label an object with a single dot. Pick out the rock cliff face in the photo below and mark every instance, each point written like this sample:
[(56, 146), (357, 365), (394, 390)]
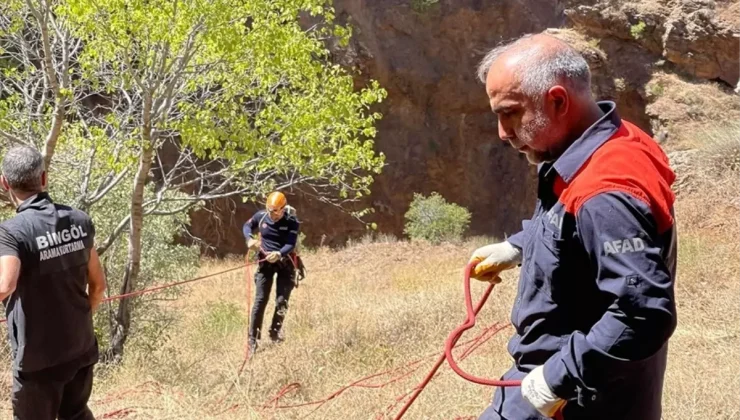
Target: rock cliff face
[(700, 37), (438, 132)]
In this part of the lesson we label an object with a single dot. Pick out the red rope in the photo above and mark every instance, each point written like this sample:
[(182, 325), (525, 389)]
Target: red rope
[(401, 372), (407, 369), (164, 286), (468, 324), (486, 335), (450, 344), (248, 279)]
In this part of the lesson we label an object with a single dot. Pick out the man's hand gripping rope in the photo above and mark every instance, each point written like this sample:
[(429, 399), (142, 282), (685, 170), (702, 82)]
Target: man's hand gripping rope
[(534, 388), (497, 258)]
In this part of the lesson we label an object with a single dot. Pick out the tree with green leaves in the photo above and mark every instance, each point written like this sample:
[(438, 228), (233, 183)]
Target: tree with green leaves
[(169, 104)]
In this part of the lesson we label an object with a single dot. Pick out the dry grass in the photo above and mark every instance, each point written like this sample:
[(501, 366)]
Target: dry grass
[(686, 108), (719, 147), (373, 306), (704, 371), (362, 310)]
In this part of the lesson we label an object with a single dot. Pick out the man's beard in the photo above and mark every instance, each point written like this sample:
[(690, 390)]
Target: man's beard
[(537, 128)]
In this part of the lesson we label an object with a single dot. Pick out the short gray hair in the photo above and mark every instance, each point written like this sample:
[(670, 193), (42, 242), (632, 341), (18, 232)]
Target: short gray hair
[(22, 168), (540, 71)]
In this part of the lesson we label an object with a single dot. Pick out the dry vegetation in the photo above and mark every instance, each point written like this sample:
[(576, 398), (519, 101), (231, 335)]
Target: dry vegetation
[(381, 304), (365, 309), (687, 108)]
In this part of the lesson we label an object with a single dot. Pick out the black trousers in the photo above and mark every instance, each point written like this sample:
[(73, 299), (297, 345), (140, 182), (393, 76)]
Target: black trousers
[(263, 280), (61, 391)]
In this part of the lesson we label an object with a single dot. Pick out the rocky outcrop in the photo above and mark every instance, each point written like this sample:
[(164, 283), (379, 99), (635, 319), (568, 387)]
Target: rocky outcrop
[(671, 65), (695, 35), (438, 132)]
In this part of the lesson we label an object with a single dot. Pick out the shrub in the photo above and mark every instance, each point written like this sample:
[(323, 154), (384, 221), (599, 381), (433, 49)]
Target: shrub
[(637, 30), (720, 148), (433, 219)]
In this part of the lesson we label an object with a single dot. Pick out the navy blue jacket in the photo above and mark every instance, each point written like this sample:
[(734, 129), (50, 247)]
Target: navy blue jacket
[(595, 302), (276, 236)]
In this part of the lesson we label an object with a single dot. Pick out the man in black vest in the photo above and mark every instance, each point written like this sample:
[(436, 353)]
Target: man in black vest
[(51, 281)]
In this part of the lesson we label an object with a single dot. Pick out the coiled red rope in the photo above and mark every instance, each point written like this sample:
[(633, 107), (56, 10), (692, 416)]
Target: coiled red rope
[(450, 344), (468, 324)]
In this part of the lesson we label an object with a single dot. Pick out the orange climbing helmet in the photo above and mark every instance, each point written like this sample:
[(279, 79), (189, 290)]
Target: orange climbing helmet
[(276, 201)]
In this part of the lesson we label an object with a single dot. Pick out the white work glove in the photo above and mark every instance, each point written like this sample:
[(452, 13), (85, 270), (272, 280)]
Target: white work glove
[(253, 243), (493, 259), (536, 391), (273, 256)]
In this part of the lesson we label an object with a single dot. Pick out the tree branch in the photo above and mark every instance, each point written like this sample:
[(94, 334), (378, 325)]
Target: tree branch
[(13, 138), (111, 239), (109, 186), (81, 202), (171, 212), (43, 16)]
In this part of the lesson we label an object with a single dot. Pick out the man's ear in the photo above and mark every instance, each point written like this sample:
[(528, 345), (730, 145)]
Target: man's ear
[(560, 101), (4, 181), (43, 180)]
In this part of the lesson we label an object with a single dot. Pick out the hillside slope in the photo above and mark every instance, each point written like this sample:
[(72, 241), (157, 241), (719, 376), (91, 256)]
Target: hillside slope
[(382, 304)]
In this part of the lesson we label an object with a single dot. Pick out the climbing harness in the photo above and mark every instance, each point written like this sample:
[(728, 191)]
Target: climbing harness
[(299, 268)]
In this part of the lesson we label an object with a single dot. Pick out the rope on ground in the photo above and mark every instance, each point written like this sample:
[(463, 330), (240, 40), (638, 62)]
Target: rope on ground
[(248, 281), (396, 374), (474, 344), (450, 343), (146, 388)]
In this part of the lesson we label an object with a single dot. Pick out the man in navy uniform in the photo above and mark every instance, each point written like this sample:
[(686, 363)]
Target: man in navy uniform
[(278, 231), (51, 282), (595, 305)]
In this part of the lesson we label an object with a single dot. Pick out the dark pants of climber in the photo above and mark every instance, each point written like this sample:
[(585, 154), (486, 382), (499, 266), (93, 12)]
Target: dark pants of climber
[(61, 391), (263, 280)]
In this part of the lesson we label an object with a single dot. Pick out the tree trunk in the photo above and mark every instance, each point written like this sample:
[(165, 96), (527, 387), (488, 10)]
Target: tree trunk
[(60, 100), (50, 143), (122, 320)]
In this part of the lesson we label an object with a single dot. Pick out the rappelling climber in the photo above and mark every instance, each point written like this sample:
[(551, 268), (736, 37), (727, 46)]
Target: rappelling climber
[(595, 306), (277, 234)]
